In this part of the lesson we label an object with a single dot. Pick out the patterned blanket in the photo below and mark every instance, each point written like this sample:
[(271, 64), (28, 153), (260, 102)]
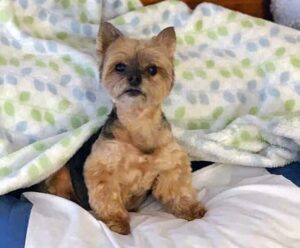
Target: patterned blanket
[(235, 99)]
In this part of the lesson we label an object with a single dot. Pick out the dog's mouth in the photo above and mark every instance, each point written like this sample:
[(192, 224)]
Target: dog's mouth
[(133, 92)]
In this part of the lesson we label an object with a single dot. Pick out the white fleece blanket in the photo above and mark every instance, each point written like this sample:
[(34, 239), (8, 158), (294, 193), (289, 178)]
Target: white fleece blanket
[(235, 99), (247, 207)]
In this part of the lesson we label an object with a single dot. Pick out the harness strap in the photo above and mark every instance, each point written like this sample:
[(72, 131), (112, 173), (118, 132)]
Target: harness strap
[(76, 165)]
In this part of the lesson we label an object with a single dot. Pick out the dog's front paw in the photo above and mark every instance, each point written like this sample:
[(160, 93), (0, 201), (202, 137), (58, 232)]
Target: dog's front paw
[(120, 226), (198, 211), (191, 212)]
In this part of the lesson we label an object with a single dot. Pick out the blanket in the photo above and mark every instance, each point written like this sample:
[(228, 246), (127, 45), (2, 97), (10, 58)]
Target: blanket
[(235, 99)]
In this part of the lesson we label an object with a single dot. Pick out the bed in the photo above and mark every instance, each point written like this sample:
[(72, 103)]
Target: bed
[(235, 103)]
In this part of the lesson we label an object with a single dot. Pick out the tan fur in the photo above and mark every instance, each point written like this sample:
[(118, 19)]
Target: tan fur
[(143, 154), (60, 183)]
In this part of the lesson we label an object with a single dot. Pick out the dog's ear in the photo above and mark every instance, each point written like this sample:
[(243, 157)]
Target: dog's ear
[(167, 38), (106, 36)]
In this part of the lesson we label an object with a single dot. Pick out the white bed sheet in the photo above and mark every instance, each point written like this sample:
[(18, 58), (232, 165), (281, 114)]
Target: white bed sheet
[(247, 207)]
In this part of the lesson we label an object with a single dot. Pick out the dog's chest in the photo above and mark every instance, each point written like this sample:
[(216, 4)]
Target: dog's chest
[(134, 158), (148, 139), (140, 173), (140, 170), (137, 179), (145, 137)]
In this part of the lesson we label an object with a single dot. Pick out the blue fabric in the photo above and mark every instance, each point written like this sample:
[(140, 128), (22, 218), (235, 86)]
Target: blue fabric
[(291, 172), (14, 216), (286, 12), (197, 165)]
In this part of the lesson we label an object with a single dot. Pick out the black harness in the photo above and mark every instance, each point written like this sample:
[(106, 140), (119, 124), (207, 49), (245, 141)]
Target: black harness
[(76, 164)]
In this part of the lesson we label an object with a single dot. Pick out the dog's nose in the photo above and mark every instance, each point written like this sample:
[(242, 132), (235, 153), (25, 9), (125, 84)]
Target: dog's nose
[(135, 80)]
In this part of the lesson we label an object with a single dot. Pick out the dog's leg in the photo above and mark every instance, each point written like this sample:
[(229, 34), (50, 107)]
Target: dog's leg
[(106, 201), (60, 183), (173, 188)]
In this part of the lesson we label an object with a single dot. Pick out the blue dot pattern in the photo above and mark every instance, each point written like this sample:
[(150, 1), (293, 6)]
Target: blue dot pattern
[(236, 91)]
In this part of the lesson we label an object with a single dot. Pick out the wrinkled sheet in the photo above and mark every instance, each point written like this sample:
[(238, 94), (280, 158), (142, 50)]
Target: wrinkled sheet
[(247, 207)]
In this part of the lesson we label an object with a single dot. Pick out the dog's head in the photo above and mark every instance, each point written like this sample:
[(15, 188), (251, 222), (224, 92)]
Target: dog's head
[(138, 72)]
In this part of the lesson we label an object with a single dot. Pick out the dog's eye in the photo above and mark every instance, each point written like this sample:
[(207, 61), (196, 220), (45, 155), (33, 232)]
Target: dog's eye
[(152, 70), (120, 67)]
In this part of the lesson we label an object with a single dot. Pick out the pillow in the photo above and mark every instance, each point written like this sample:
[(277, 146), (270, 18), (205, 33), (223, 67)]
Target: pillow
[(286, 12)]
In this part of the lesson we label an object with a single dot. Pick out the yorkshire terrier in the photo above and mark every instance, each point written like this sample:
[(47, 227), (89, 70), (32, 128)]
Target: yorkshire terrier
[(135, 151)]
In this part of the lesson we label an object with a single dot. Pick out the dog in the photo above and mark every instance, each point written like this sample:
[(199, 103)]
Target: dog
[(135, 151)]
